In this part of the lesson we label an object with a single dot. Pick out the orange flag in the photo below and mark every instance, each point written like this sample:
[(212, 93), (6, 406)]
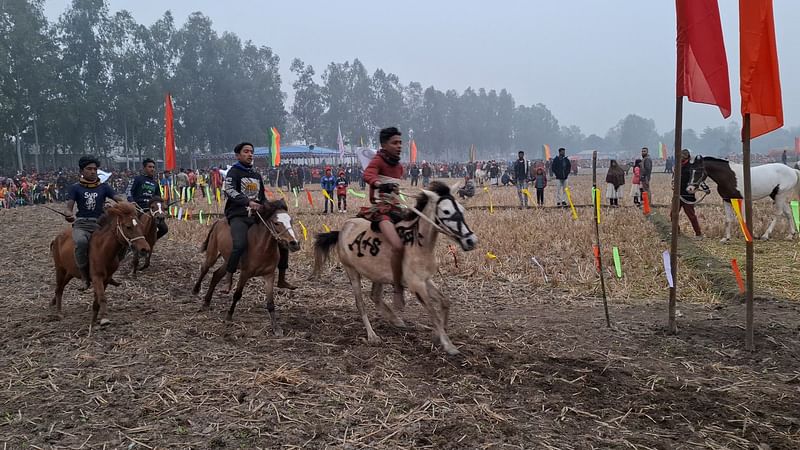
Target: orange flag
[(760, 82), (169, 139), (413, 151), (702, 64)]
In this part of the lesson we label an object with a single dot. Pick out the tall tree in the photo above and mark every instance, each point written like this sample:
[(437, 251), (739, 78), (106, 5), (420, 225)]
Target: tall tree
[(308, 103)]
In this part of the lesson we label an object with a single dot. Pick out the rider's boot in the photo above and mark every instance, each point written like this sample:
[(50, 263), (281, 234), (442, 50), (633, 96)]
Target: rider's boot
[(282, 283), (398, 300), (87, 280)]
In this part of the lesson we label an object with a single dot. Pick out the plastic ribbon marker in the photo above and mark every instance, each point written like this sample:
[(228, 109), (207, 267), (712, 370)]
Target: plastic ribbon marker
[(796, 214), (535, 261), (617, 263), (490, 255), (646, 203), (571, 205), (305, 231), (356, 194), (667, 266), (736, 203), (491, 206), (310, 200), (738, 275), (326, 195), (452, 249), (326, 228), (597, 203), (596, 251)]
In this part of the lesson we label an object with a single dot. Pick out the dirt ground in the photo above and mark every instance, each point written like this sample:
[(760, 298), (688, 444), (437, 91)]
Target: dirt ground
[(540, 369)]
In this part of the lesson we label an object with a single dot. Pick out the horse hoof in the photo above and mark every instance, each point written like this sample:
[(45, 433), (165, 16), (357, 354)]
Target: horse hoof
[(104, 322), (453, 352), (278, 332), (724, 240), (374, 340)]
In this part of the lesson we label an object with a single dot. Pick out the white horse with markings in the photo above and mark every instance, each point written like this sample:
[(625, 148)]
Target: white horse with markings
[(776, 181), (364, 253)]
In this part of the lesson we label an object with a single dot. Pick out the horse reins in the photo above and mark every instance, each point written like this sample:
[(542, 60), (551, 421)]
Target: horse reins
[(131, 240), (700, 185), (271, 228)]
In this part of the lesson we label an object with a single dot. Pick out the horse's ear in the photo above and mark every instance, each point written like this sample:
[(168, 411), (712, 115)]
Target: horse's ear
[(698, 158)]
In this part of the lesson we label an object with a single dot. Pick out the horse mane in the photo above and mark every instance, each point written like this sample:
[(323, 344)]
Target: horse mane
[(438, 188), (119, 209), (714, 159), (271, 206)]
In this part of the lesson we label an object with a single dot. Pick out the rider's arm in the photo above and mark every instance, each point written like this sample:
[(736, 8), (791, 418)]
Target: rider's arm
[(371, 173), (133, 189)]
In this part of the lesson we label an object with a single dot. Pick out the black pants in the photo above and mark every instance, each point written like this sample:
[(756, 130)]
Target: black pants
[(415, 181), (239, 228), (161, 228), (342, 200), (540, 196)]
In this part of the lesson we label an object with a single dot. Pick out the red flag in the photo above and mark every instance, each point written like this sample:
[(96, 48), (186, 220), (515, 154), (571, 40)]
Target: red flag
[(797, 145), (413, 151), (702, 64), (760, 81), (169, 141)]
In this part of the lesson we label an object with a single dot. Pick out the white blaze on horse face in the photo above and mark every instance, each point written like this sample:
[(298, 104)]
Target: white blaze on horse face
[(134, 222), (286, 220), (159, 208)]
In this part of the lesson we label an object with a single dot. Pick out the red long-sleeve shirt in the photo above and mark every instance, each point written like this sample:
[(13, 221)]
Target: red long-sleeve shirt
[(379, 167)]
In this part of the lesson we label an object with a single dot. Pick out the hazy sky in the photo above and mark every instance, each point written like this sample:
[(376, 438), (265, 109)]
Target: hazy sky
[(590, 61)]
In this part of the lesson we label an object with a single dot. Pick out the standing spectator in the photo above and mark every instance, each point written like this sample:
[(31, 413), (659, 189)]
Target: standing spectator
[(688, 200), (540, 182), (646, 173), (328, 183), (615, 178), (635, 191), (784, 158), (341, 192), (426, 174), (521, 178), (561, 168), (414, 172)]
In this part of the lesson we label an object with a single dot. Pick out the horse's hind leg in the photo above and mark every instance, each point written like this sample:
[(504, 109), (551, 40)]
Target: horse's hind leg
[(269, 287), (62, 278), (355, 283), (729, 218), (204, 267), (218, 274), (386, 311), (777, 212)]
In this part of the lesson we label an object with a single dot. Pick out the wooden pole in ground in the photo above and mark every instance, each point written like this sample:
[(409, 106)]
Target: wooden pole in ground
[(674, 214), (748, 219), (597, 237)]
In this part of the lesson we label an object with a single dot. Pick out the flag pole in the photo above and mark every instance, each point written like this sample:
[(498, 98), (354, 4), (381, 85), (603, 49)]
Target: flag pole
[(597, 238), (748, 218), (674, 212)]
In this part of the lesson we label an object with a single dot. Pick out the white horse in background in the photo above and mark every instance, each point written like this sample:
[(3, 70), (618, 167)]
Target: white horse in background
[(776, 181), (481, 176)]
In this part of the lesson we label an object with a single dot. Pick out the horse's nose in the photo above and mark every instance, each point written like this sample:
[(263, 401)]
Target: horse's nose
[(294, 246), (470, 242)]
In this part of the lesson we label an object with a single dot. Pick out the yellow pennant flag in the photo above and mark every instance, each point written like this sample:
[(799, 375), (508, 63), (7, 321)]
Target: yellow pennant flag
[(219, 198), (527, 194), (737, 209), (326, 195), (491, 255), (327, 229), (571, 205), (305, 231)]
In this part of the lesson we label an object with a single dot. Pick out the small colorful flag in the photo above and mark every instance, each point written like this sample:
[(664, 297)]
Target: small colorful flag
[(737, 274), (326, 228), (305, 231), (617, 263), (646, 203), (796, 214), (356, 194), (310, 200), (491, 255), (667, 267), (736, 203), (571, 205)]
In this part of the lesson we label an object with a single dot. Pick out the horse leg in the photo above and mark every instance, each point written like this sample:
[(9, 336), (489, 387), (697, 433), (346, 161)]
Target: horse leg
[(787, 212), (204, 267), (444, 302), (428, 301), (62, 278), (386, 311), (355, 283), (269, 287), (147, 259), (237, 295), (134, 263), (99, 284), (777, 212), (728, 222), (215, 278)]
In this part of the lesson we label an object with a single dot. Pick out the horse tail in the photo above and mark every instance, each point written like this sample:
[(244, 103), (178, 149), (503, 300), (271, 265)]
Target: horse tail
[(322, 249), (204, 247)]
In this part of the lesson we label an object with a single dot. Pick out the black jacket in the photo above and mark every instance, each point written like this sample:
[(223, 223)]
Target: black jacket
[(242, 184), (561, 167), (143, 189)]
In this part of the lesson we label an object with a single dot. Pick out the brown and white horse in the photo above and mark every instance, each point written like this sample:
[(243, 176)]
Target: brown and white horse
[(149, 219), (776, 181), (364, 253)]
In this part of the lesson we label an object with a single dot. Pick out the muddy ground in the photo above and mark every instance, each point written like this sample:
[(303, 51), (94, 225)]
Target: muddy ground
[(540, 369)]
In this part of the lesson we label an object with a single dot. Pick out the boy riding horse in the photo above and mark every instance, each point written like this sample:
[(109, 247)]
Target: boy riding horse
[(90, 195), (143, 189), (245, 190), (385, 209)]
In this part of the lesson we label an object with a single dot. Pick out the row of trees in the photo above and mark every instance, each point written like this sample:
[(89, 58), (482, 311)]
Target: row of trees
[(96, 82)]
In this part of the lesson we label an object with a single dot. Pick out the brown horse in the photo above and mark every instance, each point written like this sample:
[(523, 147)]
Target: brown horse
[(148, 219), (118, 229), (260, 259)]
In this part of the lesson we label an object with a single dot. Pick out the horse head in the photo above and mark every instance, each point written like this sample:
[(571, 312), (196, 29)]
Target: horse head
[(157, 209), (697, 175), (449, 215), (279, 223), (128, 228)]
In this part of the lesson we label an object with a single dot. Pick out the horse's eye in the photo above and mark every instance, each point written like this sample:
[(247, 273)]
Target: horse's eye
[(446, 211)]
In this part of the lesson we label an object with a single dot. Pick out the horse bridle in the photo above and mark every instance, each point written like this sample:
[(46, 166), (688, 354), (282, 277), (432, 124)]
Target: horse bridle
[(130, 241), (700, 185), (271, 228)]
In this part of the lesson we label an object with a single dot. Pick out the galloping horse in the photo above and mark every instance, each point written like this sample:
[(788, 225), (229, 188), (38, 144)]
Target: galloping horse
[(118, 229), (260, 260), (148, 219), (359, 249), (774, 180)]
